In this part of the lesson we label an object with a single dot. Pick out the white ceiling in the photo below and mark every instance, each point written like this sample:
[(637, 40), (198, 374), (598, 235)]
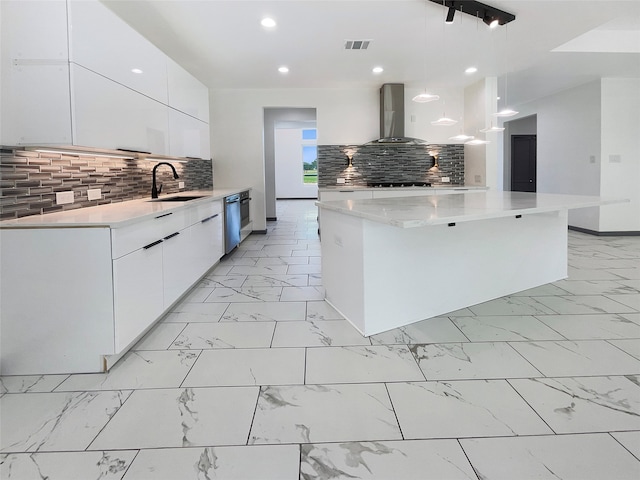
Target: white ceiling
[(223, 44)]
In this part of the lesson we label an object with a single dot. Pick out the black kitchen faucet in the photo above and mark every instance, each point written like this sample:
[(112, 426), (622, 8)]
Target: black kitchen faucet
[(154, 190)]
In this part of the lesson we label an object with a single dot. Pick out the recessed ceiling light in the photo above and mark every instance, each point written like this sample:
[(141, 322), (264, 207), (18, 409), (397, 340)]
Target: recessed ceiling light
[(136, 70), (268, 22), (283, 69), (471, 70), (377, 70)]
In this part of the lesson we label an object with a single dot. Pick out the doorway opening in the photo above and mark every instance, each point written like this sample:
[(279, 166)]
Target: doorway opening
[(523, 163), (290, 138)]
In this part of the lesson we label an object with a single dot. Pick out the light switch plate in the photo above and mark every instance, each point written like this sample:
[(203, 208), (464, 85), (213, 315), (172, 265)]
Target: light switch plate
[(180, 184), (94, 194), (63, 198), (340, 181), (446, 180)]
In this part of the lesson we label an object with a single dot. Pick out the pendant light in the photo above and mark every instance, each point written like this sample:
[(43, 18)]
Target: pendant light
[(506, 112), (492, 129), (425, 97)]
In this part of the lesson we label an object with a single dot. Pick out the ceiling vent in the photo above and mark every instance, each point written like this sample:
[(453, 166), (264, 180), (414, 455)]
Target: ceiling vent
[(356, 44)]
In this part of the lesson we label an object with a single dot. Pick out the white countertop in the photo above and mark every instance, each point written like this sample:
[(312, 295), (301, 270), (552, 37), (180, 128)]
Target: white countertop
[(116, 215), (420, 211), (349, 188)]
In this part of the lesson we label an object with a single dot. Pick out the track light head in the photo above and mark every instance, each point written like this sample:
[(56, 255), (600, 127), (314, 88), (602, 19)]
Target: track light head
[(450, 13)]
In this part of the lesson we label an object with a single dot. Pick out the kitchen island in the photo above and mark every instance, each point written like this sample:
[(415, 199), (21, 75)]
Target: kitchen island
[(390, 262)]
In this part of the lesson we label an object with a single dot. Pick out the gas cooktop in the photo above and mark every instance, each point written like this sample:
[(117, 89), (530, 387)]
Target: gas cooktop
[(398, 184)]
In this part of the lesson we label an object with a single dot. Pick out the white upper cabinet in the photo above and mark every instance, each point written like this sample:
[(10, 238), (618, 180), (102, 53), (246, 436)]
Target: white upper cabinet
[(110, 115), (186, 93), (105, 44), (188, 136)]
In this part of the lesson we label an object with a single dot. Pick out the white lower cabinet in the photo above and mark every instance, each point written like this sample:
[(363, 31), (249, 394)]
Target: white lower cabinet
[(71, 297), (137, 293)]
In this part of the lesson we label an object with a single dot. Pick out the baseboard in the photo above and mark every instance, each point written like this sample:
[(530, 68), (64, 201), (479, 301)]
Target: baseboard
[(272, 219), (605, 234), (259, 232), (298, 198)]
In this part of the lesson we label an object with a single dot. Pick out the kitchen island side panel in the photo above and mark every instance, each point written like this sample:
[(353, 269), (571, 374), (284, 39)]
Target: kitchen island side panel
[(342, 265), (412, 274), (56, 301)]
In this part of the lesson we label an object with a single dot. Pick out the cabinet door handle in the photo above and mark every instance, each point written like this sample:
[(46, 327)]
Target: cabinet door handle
[(165, 215), (157, 242), (174, 234), (210, 218)]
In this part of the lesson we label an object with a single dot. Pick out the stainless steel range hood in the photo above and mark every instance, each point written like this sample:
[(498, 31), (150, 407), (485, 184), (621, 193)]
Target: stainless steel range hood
[(392, 117)]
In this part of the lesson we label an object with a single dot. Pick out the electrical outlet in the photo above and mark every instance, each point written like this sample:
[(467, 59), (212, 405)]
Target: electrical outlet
[(478, 178), (341, 181), (615, 159), (64, 198), (446, 180), (180, 184), (592, 159), (94, 194)]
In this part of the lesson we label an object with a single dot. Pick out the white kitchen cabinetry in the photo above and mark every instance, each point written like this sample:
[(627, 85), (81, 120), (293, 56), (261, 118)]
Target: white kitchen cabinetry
[(109, 115), (69, 80), (73, 296), (103, 43), (137, 290), (186, 93), (188, 136)]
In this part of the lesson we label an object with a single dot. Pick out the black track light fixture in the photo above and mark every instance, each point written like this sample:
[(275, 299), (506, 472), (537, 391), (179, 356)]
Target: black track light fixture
[(450, 13), (490, 15)]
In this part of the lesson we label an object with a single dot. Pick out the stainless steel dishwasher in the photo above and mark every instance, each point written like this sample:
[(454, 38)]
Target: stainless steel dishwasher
[(231, 222)]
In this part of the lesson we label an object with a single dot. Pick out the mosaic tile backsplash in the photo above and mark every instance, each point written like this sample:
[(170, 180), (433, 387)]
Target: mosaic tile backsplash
[(29, 180), (390, 163)]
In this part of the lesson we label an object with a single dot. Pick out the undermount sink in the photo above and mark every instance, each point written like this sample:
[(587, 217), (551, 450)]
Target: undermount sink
[(184, 198)]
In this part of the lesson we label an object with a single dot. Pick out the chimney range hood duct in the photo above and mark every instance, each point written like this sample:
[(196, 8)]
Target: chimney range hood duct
[(392, 117)]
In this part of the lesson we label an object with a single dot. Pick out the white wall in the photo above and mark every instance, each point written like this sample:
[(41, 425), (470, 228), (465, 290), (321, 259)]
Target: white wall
[(418, 116), (289, 169), (620, 136), (481, 165)]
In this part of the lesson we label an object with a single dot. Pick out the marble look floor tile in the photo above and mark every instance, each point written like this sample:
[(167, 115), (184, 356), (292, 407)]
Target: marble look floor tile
[(511, 306), (245, 294), (306, 269), (315, 279), (196, 312), (410, 459), (630, 300), (317, 333), (630, 440), (567, 457), (630, 346), (142, 369), (315, 260), (431, 330), (265, 312), (628, 273), (197, 295), (581, 304), (594, 287), (305, 253), (302, 294), (160, 337), (249, 366), (223, 268), (592, 327), (470, 408), (321, 310), (259, 270), (319, 413), (225, 335), (362, 364), (584, 404), (66, 465), (267, 253), (270, 261), (214, 281), (277, 281), (542, 290), (505, 328), (590, 274), (461, 361), (587, 357), (30, 383), (39, 422), (264, 462), (181, 417)]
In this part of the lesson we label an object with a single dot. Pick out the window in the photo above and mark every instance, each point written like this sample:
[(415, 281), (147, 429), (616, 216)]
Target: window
[(310, 163), (309, 134)]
